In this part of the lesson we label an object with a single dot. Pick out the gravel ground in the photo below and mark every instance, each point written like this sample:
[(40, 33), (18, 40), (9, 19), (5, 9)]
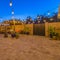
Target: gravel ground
[(29, 48)]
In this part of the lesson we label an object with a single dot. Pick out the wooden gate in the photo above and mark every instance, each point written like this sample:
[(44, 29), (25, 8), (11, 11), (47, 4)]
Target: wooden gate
[(39, 29)]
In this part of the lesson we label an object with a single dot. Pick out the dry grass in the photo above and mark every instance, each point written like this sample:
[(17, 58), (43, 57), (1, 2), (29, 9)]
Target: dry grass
[(29, 48)]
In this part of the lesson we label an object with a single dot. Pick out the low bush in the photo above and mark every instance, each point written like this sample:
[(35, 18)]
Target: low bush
[(26, 33), (57, 36), (51, 31), (22, 32), (16, 35), (5, 34)]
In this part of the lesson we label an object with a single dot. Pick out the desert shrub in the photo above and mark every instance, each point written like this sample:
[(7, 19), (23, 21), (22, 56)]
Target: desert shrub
[(1, 32), (9, 32), (5, 34), (26, 30), (22, 32), (57, 36), (51, 31), (16, 35), (26, 33), (53, 34)]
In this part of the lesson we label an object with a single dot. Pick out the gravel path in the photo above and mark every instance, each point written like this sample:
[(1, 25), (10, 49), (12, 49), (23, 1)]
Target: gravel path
[(29, 48)]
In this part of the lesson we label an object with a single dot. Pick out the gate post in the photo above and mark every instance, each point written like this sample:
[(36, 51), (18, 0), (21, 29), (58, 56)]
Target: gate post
[(46, 29)]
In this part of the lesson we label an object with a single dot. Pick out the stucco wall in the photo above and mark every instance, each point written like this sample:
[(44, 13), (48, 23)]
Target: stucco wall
[(30, 26), (18, 28), (55, 25), (38, 27)]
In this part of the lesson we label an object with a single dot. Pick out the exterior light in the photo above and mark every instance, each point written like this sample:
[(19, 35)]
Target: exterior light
[(10, 3), (48, 13), (12, 12)]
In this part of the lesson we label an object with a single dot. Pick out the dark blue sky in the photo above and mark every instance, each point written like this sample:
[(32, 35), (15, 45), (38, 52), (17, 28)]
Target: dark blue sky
[(24, 8)]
